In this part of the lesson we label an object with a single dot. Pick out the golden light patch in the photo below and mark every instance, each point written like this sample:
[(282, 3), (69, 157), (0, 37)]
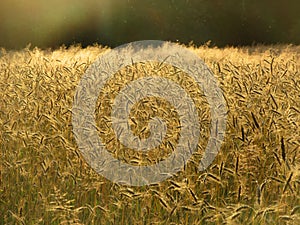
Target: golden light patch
[(142, 112)]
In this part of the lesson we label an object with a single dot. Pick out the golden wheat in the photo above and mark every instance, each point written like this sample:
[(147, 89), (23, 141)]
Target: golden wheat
[(255, 179)]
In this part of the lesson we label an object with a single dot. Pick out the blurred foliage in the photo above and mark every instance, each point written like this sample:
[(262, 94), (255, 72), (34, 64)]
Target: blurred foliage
[(114, 22)]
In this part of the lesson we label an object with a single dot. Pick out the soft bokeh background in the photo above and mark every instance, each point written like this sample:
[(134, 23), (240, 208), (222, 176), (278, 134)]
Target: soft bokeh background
[(52, 23)]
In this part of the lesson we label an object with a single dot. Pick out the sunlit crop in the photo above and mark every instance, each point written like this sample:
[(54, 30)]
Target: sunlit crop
[(255, 178)]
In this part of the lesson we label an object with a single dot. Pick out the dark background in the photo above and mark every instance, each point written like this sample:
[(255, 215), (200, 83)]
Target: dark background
[(46, 23)]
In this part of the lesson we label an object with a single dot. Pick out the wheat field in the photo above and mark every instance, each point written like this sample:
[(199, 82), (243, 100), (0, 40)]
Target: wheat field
[(255, 178)]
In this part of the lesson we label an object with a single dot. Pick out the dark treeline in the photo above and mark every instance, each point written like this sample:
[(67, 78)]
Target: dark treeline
[(223, 22)]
